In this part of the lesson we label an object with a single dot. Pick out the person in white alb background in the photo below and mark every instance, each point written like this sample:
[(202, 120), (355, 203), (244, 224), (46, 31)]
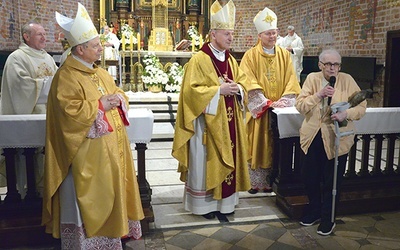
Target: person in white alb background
[(26, 81), (293, 43), (111, 47)]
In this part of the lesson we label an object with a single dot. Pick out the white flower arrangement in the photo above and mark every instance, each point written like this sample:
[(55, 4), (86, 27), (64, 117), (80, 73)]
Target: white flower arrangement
[(153, 73), (127, 31), (193, 35), (175, 74)]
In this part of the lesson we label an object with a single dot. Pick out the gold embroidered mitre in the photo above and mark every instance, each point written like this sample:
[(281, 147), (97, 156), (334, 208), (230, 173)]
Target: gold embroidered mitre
[(78, 30), (265, 20), (223, 18)]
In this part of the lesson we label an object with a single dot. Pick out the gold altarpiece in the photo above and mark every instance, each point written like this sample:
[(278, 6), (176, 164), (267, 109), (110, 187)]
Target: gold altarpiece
[(139, 14), (160, 38)]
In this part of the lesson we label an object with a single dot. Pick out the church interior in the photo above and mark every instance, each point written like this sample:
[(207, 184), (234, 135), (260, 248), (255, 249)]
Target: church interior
[(170, 32)]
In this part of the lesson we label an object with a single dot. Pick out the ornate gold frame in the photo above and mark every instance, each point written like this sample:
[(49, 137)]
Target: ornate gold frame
[(173, 5)]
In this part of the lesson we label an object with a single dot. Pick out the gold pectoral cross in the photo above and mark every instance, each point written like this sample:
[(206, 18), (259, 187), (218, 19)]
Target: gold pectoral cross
[(100, 88), (223, 78)]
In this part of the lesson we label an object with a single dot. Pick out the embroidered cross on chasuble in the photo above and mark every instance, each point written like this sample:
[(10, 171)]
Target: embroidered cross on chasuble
[(223, 71)]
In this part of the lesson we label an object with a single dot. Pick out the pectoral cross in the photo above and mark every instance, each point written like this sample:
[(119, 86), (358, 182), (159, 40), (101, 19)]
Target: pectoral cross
[(223, 78), (99, 88)]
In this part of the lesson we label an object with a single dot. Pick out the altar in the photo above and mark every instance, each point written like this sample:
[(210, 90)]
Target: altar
[(375, 121), (371, 175), (28, 132)]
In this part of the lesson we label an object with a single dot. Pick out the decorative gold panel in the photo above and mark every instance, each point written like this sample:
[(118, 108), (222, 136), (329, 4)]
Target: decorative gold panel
[(173, 5)]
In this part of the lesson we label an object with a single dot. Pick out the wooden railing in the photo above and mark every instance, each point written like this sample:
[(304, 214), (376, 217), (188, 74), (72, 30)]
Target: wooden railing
[(372, 176)]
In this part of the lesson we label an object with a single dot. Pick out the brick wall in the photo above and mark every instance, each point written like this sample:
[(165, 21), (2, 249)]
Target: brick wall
[(18, 12)]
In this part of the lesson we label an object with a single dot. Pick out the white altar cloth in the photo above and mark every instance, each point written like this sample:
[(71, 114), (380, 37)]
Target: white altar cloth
[(375, 121), (25, 131)]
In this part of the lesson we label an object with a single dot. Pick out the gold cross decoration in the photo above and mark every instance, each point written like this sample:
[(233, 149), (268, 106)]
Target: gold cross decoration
[(230, 114), (228, 179), (269, 19)]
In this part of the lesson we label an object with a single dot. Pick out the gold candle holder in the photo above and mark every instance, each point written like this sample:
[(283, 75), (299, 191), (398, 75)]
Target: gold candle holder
[(123, 74), (137, 72), (131, 80)]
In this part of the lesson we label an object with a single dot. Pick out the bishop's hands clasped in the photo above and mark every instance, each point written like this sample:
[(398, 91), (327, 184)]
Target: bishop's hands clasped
[(229, 87), (110, 101)]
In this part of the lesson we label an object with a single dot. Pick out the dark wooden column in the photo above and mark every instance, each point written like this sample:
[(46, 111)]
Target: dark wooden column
[(144, 187), (12, 192), (31, 193)]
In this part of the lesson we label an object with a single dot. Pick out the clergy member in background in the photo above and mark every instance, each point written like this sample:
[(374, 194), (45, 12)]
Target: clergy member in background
[(210, 137), (272, 83), (91, 196), (111, 46), (26, 81), (293, 43)]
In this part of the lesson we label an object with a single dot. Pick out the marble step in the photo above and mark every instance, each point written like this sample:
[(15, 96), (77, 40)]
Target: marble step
[(156, 107)]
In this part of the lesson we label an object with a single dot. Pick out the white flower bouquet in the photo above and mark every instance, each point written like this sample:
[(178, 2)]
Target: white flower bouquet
[(193, 35), (153, 74), (127, 32), (175, 74)]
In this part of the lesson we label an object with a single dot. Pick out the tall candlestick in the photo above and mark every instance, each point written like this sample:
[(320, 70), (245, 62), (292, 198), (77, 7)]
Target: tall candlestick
[(138, 41), (193, 45), (131, 41), (123, 42), (201, 41)]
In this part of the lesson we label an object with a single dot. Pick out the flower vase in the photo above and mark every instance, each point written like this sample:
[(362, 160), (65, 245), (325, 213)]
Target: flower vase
[(155, 88)]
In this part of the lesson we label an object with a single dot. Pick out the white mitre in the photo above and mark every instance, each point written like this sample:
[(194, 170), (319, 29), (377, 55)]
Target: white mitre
[(223, 18), (78, 30), (265, 20)]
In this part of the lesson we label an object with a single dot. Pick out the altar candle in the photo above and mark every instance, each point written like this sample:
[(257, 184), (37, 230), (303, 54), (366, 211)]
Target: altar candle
[(131, 41), (138, 41), (123, 42), (193, 45), (201, 41)]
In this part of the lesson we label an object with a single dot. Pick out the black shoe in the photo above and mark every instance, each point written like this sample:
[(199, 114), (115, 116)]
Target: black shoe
[(267, 190), (253, 191), (309, 220), (229, 213), (326, 228), (209, 216)]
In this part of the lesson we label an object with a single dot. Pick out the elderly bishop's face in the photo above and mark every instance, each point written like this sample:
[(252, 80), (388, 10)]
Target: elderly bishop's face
[(92, 50), (222, 39)]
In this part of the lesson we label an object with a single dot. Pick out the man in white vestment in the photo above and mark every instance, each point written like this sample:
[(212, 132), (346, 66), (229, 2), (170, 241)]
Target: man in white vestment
[(293, 43), (26, 81), (111, 47)]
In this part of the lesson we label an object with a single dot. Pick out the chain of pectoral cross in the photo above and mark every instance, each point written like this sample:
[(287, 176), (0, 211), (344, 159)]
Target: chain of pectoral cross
[(96, 81), (223, 76)]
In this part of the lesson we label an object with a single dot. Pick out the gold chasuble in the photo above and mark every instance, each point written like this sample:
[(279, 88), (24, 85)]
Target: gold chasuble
[(273, 74), (102, 168), (225, 143)]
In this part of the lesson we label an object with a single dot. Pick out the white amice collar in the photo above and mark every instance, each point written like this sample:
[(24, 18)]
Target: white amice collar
[(269, 51), (89, 65), (220, 55)]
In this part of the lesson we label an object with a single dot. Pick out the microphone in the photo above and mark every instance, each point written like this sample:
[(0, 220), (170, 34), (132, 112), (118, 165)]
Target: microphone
[(332, 81)]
